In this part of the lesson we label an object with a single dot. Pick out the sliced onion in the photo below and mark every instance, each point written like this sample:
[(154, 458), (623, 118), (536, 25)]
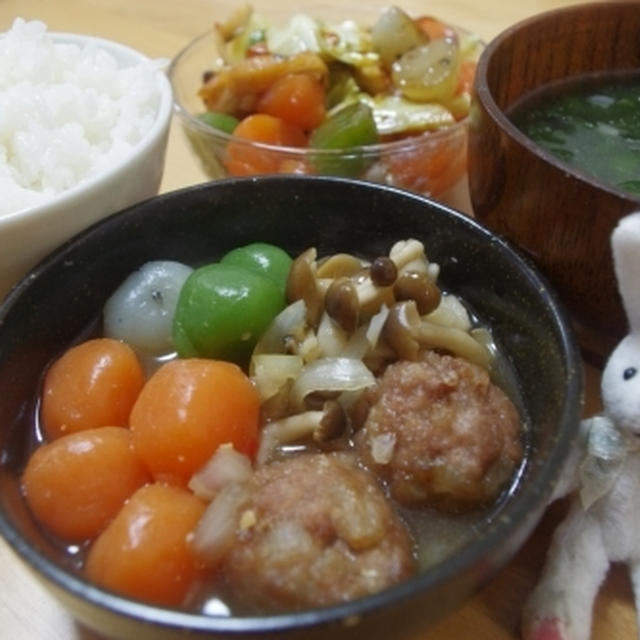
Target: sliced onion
[(376, 324), (226, 466), (291, 321), (450, 313), (484, 337), (330, 374), (358, 345), (429, 71), (394, 33), (382, 446), (284, 431), (332, 339), (216, 530), (366, 337), (272, 371)]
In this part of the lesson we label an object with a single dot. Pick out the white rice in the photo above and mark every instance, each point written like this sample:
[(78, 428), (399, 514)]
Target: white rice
[(67, 112)]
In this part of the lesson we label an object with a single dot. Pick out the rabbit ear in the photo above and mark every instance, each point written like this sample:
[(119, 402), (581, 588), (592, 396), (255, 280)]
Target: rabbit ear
[(625, 242)]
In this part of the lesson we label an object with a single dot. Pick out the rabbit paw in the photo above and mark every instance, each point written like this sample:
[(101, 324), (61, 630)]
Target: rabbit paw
[(547, 629)]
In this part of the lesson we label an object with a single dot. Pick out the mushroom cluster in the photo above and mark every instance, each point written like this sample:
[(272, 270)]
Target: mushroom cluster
[(346, 320)]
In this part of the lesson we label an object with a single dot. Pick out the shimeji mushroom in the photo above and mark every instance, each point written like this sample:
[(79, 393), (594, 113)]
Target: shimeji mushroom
[(302, 284), (346, 290), (339, 265), (419, 287), (404, 274), (408, 333), (321, 425), (342, 304)]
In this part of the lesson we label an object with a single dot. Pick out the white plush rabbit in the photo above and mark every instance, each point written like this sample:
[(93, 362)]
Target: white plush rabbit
[(603, 523)]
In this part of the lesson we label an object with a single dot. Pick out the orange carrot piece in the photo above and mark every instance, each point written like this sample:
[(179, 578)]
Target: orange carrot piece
[(245, 159), (187, 409), (93, 384), (144, 552), (76, 484), (298, 98)]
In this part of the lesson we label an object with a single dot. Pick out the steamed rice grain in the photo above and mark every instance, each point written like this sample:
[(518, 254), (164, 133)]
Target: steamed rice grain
[(67, 113)]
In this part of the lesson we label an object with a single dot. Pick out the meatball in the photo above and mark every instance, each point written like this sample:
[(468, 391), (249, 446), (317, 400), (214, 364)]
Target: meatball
[(440, 433), (317, 530)]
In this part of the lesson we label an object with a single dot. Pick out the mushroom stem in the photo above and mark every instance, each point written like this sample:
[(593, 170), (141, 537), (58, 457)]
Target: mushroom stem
[(407, 333), (321, 425), (405, 252), (302, 284)]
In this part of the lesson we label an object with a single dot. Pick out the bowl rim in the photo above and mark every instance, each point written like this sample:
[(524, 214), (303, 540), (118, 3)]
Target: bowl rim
[(159, 126), (471, 556), (484, 94), (455, 130)]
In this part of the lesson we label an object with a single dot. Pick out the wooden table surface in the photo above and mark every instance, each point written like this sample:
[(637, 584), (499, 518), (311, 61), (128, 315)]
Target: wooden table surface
[(160, 28)]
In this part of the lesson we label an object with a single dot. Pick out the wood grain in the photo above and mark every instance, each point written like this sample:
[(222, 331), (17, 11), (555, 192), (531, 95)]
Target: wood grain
[(161, 28), (567, 224)]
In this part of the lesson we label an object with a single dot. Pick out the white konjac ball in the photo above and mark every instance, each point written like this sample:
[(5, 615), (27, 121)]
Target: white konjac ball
[(140, 312)]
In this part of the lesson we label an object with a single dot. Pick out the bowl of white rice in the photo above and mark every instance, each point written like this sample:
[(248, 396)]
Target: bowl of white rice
[(83, 132)]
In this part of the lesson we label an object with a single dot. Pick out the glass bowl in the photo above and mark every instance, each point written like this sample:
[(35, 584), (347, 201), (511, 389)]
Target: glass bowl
[(432, 163)]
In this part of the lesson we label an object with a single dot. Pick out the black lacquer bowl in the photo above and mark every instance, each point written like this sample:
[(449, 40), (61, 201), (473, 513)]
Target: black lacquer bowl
[(65, 293)]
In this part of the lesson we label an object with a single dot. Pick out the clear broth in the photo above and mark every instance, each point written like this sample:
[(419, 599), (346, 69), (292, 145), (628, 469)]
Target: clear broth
[(590, 122)]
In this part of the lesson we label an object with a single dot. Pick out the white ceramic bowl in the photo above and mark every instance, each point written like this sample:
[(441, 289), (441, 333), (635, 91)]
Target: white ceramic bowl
[(29, 234)]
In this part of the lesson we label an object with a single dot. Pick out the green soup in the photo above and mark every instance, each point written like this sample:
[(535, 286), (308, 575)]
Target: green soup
[(591, 123)]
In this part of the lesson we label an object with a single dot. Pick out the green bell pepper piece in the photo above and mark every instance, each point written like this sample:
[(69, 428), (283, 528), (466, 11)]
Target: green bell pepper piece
[(221, 121), (348, 129)]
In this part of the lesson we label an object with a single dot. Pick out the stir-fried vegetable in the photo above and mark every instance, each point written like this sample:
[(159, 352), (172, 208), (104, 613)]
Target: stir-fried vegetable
[(221, 121), (246, 159), (400, 77), (297, 98), (429, 71), (349, 128)]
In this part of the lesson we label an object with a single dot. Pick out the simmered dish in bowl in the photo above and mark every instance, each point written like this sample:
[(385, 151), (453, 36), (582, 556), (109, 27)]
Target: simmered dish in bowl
[(319, 519), (366, 404)]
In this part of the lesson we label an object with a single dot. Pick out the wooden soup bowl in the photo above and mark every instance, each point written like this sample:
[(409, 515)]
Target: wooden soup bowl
[(562, 217)]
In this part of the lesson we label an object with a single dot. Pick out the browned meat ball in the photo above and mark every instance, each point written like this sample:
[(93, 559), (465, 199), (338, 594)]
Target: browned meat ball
[(317, 531), (441, 433)]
